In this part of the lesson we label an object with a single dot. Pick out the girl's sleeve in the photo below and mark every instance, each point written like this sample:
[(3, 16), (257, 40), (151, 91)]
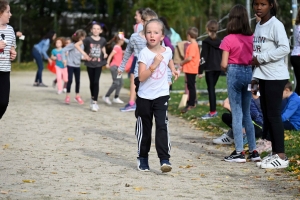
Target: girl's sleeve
[(46, 45), (13, 42), (282, 43), (289, 110), (67, 48), (127, 54), (204, 55)]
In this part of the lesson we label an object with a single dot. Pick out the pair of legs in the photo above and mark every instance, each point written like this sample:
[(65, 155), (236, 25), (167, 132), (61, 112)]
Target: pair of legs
[(145, 110), (4, 91), (39, 61), (191, 81), (295, 61), (61, 75), (227, 119), (94, 76), (238, 78), (117, 82), (211, 78), (270, 100), (76, 72)]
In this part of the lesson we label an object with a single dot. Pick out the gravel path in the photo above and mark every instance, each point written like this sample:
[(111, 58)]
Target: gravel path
[(50, 150)]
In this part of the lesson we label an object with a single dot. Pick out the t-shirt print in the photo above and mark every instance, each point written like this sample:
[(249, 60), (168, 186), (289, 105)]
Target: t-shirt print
[(160, 71), (95, 52)]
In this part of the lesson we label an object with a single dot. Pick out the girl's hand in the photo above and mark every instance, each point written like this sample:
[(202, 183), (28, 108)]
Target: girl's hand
[(65, 63), (175, 74), (86, 57), (105, 55), (157, 60), (107, 66), (49, 61), (200, 75), (224, 68), (255, 62), (13, 54), (2, 44)]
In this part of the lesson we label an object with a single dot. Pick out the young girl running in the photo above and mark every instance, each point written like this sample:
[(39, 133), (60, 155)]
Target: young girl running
[(271, 45), (94, 54), (8, 53), (61, 69), (153, 96), (116, 56), (73, 60), (236, 60)]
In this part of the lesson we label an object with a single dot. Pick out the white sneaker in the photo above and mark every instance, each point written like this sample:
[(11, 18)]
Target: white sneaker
[(59, 92), (95, 107), (265, 159), (106, 100), (65, 90), (223, 139), (117, 100), (275, 162)]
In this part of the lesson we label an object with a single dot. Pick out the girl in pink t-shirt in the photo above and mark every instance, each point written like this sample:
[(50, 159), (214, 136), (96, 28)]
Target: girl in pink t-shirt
[(236, 61), (113, 62)]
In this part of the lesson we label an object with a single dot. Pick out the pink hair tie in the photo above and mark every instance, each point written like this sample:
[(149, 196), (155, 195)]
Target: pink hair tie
[(74, 34)]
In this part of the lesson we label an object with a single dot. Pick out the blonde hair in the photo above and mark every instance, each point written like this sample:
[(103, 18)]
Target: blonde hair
[(157, 21), (148, 12)]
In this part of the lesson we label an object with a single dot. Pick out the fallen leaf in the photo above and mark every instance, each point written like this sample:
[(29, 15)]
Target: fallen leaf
[(5, 146), (138, 188), (28, 181), (53, 172), (202, 175), (83, 192), (298, 177), (270, 178), (71, 139), (187, 166), (4, 192)]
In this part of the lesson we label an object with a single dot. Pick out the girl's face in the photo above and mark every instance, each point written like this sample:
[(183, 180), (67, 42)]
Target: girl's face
[(68, 42), (58, 43), (154, 34), (262, 9), (138, 17), (96, 30), (4, 17)]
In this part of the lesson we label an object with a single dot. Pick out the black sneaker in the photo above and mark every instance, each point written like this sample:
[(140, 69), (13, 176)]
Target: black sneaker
[(254, 156), (235, 157), (165, 166), (142, 164)]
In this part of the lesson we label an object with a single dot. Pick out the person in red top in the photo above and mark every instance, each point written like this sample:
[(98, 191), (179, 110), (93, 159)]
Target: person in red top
[(190, 66), (113, 62)]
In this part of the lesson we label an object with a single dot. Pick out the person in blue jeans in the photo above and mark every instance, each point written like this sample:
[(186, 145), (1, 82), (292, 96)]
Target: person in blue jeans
[(237, 49), (290, 114), (39, 51)]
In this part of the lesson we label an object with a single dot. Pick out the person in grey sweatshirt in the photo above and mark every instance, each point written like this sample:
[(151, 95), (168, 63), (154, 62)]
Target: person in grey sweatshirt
[(73, 59)]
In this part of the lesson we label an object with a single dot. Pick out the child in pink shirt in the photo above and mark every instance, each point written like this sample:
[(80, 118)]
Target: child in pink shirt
[(113, 62), (236, 61)]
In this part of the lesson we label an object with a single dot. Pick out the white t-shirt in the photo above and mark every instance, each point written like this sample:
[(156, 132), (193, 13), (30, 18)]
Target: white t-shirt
[(296, 49), (157, 84), (271, 45)]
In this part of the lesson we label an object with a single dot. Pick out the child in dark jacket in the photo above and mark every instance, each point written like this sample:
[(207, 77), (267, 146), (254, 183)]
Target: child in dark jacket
[(291, 111), (211, 56)]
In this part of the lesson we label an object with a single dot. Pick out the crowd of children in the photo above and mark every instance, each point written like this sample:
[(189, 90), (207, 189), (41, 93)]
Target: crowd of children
[(247, 58)]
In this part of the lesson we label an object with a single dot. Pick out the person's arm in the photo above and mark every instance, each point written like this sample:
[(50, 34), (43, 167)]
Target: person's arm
[(78, 47), (53, 54), (289, 110), (127, 54), (13, 53), (173, 71), (283, 47), (45, 47), (203, 55), (226, 104), (256, 115), (67, 48), (144, 72), (111, 55), (224, 61), (104, 52)]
